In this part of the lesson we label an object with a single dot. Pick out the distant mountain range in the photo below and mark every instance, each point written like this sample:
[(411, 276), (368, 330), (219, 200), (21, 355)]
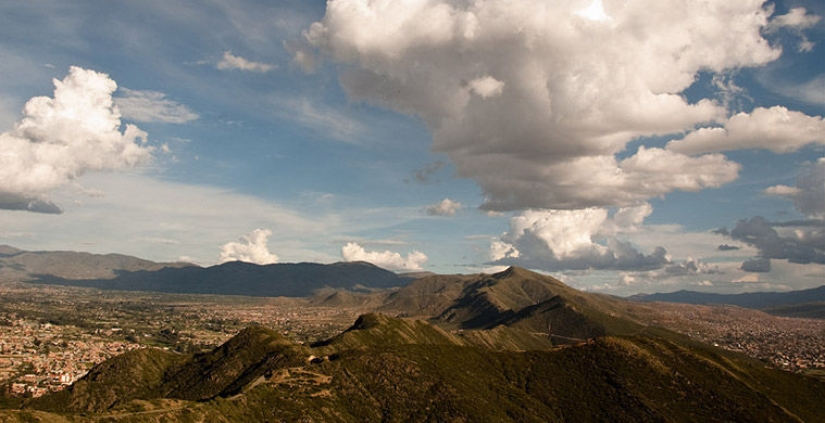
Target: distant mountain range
[(803, 303), (118, 272), (239, 278), (515, 346), (429, 294), (20, 265)]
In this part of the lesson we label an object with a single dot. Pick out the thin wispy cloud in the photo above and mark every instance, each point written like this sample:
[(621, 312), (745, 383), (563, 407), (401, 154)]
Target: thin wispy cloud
[(323, 119), (152, 106)]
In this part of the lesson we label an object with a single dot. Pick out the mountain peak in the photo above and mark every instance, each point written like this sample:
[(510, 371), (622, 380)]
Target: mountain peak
[(521, 274), (370, 320), (8, 250), (514, 271)]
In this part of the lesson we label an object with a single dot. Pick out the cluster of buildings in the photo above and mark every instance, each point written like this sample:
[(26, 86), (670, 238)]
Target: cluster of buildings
[(37, 358), (788, 343), (791, 348)]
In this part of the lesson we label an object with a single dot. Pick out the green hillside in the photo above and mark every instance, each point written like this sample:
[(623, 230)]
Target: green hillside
[(511, 347), (396, 370)]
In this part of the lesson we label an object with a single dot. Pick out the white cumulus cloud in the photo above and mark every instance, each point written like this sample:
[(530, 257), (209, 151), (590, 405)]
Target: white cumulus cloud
[(548, 93), (252, 248), (776, 129), (232, 62), (60, 138), (575, 239), (446, 207), (796, 20), (386, 259)]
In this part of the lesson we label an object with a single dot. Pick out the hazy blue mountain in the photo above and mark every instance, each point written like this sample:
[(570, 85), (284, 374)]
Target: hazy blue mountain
[(758, 300), (239, 278)]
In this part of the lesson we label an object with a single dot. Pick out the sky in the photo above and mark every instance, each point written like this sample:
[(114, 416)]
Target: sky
[(621, 146)]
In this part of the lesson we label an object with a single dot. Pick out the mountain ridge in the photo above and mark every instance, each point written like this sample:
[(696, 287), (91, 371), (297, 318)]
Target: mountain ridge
[(17, 264), (240, 278), (757, 300), (259, 376), (128, 273)]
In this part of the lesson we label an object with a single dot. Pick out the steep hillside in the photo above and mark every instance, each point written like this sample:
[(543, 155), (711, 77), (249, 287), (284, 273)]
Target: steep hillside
[(393, 370), (229, 368), (530, 302), (428, 296)]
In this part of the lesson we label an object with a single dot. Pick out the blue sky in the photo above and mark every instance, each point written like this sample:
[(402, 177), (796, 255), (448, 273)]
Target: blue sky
[(620, 146)]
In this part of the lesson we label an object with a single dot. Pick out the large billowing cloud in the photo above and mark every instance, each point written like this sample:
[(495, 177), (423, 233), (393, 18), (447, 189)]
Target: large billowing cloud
[(252, 248), (59, 139), (576, 239), (387, 259), (535, 99)]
